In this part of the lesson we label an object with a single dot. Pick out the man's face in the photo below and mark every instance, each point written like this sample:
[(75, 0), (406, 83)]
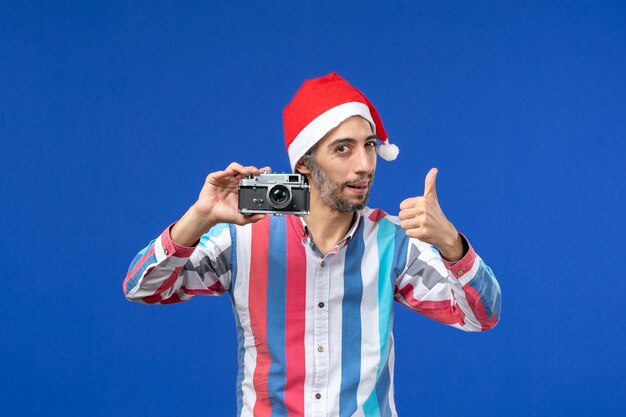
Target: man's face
[(344, 165)]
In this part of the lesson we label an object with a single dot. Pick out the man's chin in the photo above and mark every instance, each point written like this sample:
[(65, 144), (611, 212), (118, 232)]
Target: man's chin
[(349, 204), (357, 198)]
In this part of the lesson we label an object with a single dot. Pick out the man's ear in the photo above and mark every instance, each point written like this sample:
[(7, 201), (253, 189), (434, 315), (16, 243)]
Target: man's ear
[(301, 168)]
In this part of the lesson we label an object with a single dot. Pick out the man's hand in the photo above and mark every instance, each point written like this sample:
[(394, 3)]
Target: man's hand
[(422, 218), (217, 203)]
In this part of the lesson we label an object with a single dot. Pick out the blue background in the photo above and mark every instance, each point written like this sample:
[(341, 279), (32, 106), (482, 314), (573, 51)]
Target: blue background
[(112, 113)]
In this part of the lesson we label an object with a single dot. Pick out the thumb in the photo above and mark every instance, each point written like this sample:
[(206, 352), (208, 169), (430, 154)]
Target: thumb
[(429, 183)]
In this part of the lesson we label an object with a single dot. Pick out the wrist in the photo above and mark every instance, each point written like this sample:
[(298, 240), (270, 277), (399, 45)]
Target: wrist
[(190, 228), (453, 249), (199, 218)]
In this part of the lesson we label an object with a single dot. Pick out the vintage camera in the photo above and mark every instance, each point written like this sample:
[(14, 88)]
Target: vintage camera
[(274, 194)]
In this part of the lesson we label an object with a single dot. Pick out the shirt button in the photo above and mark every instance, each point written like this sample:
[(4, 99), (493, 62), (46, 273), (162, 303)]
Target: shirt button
[(165, 251), (323, 264), (321, 305), (318, 395), (320, 348), (460, 272)]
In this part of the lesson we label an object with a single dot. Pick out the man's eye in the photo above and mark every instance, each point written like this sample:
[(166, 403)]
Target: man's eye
[(342, 149), (372, 144)]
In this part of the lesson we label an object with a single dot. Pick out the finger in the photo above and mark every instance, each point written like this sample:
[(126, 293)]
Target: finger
[(413, 202), (408, 203), (219, 175), (235, 169), (405, 214), (411, 224), (411, 212), (256, 171), (226, 175), (430, 189), (250, 218), (416, 233), (235, 166), (251, 169), (257, 217), (406, 224)]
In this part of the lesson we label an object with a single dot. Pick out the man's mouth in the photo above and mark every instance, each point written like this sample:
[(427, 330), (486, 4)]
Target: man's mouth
[(359, 186)]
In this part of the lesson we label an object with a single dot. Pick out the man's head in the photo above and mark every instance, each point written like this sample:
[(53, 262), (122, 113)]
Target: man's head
[(331, 133), (342, 164), (319, 106)]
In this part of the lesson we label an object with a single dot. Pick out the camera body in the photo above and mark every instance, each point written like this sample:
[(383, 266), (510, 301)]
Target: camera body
[(274, 194)]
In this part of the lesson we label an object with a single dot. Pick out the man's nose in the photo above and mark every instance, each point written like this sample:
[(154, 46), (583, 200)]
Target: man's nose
[(365, 162)]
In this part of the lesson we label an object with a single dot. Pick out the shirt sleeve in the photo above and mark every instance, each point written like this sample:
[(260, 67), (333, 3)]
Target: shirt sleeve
[(464, 294), (165, 273)]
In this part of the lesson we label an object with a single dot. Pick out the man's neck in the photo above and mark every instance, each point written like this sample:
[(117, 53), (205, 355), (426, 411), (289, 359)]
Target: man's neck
[(328, 227)]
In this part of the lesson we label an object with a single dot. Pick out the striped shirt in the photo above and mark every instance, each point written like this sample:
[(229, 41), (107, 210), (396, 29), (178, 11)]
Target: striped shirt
[(315, 332)]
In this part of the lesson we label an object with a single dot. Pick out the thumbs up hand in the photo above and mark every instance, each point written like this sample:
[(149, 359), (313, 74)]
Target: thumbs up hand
[(422, 218)]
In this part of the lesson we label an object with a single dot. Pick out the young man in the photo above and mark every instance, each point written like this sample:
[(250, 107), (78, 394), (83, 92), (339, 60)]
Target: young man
[(313, 296)]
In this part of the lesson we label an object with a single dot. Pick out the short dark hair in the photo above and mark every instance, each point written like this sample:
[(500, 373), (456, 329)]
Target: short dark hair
[(308, 159)]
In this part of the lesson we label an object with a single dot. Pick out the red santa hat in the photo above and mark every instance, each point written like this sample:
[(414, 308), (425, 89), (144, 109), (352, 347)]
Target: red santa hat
[(319, 106)]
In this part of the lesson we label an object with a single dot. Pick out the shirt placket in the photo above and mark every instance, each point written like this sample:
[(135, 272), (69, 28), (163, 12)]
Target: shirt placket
[(320, 336)]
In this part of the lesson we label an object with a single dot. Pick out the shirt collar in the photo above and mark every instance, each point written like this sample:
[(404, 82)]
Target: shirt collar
[(357, 219)]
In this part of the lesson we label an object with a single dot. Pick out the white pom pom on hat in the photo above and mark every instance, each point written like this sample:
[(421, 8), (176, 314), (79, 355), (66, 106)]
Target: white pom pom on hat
[(319, 106), (388, 151)]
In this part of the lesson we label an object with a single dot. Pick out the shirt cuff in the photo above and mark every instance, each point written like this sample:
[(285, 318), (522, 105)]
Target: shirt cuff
[(463, 265), (170, 248)]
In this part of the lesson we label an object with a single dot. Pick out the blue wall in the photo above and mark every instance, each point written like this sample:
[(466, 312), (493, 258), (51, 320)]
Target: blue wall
[(113, 113)]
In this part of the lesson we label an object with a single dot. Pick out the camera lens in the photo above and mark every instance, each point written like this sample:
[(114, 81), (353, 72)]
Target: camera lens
[(279, 196)]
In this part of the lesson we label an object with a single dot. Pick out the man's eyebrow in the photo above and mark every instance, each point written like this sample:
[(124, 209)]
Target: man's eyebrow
[(340, 141)]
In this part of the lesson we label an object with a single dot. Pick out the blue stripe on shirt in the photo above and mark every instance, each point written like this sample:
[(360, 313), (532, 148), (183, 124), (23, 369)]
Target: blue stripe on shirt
[(132, 282), (351, 324), (385, 240), (241, 351), (386, 252), (214, 232), (276, 305), (401, 248), (382, 390), (487, 287), (371, 407), (233, 258)]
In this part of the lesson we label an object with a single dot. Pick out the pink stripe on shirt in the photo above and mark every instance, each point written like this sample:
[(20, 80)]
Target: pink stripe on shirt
[(138, 265), (295, 314), (442, 311), (257, 306)]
